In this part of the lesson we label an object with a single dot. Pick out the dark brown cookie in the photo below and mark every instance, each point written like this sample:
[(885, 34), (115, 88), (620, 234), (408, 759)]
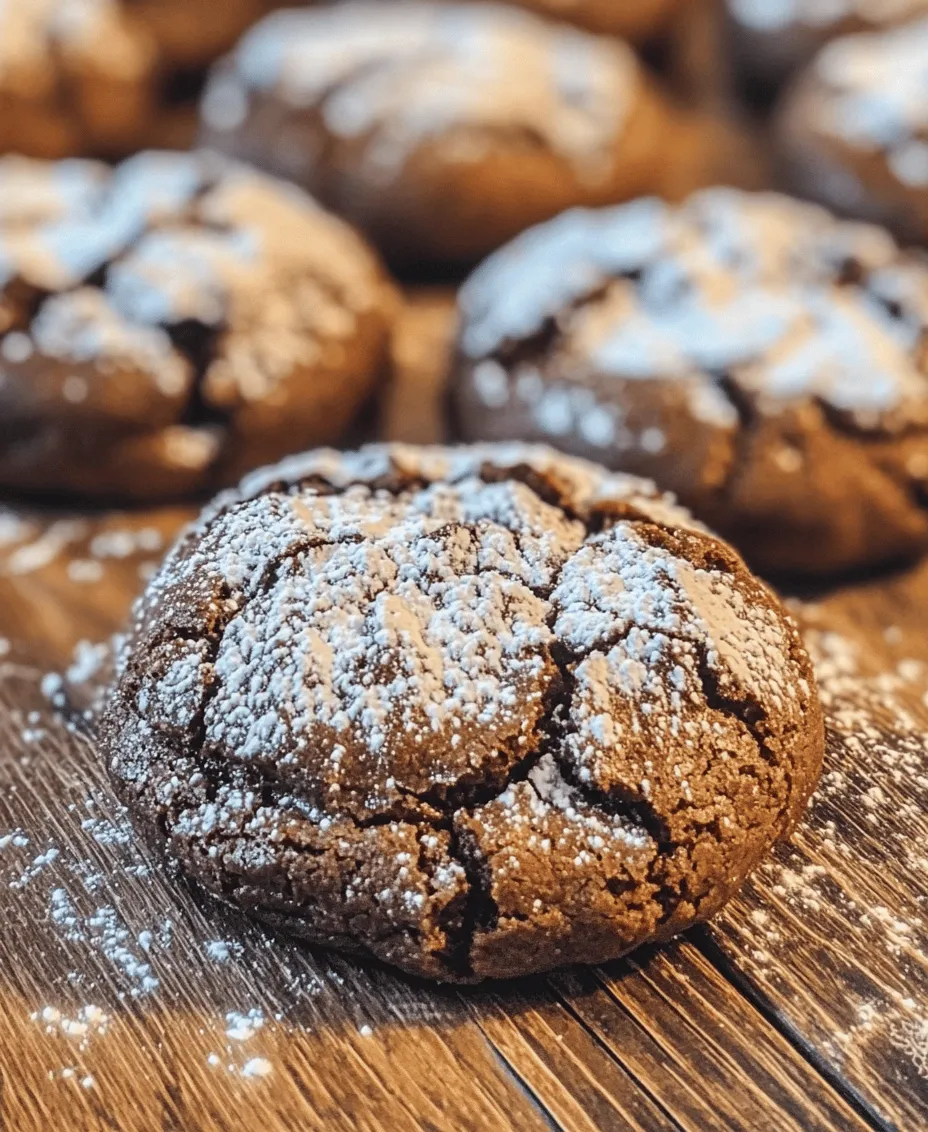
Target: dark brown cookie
[(853, 131), (476, 712), (107, 77), (168, 325), (761, 359), (771, 39), (444, 129)]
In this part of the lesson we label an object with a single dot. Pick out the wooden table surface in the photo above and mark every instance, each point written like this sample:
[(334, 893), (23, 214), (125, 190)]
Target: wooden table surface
[(128, 1002)]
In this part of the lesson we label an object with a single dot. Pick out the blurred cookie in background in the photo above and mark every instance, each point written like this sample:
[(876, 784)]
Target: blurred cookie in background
[(770, 39), (106, 77), (445, 129), (853, 131), (166, 325), (751, 353)]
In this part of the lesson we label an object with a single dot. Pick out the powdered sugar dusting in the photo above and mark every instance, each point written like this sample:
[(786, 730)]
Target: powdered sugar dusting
[(874, 87), (856, 871), (392, 79), (134, 306), (195, 238), (778, 16), (723, 285), (385, 637)]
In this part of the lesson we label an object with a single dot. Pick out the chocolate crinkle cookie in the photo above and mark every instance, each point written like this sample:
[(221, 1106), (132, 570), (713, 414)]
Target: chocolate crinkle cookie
[(853, 131), (106, 77), (752, 354), (445, 129), (474, 712), (770, 40), (167, 325)]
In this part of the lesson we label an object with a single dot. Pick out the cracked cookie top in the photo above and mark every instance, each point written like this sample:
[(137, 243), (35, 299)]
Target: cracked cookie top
[(737, 349), (180, 317), (442, 129), (476, 712)]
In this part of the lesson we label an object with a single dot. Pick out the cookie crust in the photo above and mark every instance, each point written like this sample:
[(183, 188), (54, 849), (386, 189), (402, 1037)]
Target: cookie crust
[(752, 354), (105, 77), (473, 712), (638, 21), (533, 117), (166, 326), (771, 42)]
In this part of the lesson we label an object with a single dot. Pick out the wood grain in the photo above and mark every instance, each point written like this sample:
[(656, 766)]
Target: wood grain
[(832, 932)]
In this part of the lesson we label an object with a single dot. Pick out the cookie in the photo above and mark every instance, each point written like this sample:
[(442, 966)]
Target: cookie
[(472, 712), (106, 77), (769, 41), (444, 129), (751, 353), (853, 131), (169, 324)]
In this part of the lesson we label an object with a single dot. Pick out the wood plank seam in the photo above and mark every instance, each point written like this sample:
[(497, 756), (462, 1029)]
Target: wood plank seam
[(568, 1006), (521, 1083), (758, 1000)]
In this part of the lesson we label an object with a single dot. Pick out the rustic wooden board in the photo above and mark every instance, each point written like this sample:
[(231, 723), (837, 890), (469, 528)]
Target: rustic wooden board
[(833, 929)]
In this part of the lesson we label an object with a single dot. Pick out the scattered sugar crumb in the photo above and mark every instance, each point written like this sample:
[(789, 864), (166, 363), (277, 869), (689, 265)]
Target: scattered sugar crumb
[(241, 1027), (257, 1067)]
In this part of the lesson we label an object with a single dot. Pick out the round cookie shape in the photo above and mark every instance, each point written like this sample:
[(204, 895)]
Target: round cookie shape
[(442, 129), (771, 40), (853, 131), (751, 353), (167, 325), (475, 712), (103, 77)]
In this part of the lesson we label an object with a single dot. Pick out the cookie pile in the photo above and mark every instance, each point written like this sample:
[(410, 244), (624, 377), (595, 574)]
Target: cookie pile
[(108, 77), (444, 129), (474, 711), (854, 129), (769, 42)]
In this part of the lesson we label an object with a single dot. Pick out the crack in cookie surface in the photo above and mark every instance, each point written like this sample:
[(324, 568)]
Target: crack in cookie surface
[(468, 726)]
